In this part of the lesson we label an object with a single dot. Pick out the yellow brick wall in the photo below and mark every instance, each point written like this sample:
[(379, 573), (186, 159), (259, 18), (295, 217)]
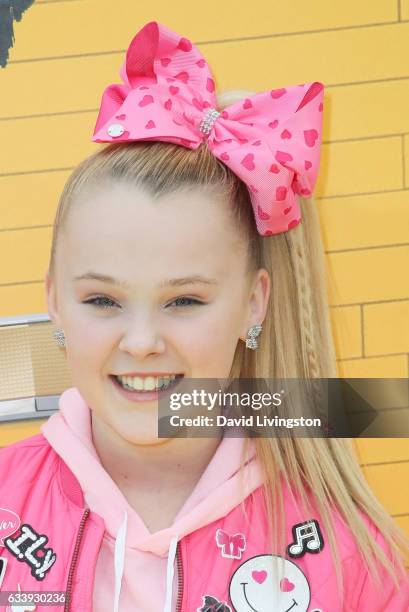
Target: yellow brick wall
[(66, 52)]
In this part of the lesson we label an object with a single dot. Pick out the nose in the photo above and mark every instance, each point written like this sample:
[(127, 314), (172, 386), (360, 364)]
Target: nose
[(142, 338)]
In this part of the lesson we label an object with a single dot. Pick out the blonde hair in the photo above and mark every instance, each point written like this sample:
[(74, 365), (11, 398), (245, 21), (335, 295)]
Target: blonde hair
[(296, 341)]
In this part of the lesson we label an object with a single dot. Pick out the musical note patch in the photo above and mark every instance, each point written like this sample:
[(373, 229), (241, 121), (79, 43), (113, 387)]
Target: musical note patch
[(307, 537), (231, 545), (26, 544)]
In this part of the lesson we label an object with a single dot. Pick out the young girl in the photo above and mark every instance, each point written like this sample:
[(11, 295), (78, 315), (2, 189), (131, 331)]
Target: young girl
[(171, 246)]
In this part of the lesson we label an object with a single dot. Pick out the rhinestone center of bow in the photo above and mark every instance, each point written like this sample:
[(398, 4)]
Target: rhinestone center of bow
[(208, 120)]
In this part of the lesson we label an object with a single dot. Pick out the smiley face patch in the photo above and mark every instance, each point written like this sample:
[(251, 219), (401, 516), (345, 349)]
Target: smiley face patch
[(269, 582)]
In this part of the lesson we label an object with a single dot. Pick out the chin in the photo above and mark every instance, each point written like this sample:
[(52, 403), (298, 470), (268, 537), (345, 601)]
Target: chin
[(137, 431), (146, 440)]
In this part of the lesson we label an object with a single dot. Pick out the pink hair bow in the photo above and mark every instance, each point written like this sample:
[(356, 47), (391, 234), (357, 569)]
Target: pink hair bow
[(271, 140)]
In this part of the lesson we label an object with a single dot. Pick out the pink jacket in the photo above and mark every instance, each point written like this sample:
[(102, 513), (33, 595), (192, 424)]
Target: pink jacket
[(215, 556)]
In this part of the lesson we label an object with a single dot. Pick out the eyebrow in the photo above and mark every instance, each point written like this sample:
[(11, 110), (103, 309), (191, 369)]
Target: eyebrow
[(172, 282)]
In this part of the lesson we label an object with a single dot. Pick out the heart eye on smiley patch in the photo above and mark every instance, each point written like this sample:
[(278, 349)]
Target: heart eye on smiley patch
[(286, 586), (267, 582)]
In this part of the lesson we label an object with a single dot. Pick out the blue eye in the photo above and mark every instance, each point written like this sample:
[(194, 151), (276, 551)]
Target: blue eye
[(186, 301), (101, 301)]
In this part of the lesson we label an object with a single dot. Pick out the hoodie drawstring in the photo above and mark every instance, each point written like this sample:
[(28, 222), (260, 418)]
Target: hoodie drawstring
[(119, 562), (119, 559), (170, 571)]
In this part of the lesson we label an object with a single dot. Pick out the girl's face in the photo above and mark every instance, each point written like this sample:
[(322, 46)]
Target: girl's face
[(149, 288)]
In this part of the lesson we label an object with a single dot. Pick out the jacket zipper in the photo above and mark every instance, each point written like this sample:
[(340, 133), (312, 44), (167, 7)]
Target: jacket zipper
[(180, 578), (74, 561)]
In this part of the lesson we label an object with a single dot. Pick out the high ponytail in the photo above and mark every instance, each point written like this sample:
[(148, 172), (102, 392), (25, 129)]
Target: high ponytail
[(296, 341)]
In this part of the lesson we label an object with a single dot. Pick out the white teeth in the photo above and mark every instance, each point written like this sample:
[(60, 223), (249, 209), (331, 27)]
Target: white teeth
[(147, 383), (150, 383), (136, 383)]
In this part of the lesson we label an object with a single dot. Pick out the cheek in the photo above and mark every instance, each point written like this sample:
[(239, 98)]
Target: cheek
[(89, 341), (224, 328), (209, 344), (216, 325)]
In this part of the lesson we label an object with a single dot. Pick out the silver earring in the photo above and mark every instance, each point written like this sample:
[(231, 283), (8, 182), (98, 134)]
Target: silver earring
[(59, 337), (254, 331)]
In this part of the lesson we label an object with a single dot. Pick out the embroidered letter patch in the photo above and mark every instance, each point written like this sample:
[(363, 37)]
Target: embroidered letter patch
[(307, 538), (9, 523), (27, 543)]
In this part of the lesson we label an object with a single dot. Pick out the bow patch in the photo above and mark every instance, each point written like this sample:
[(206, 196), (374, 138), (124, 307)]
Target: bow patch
[(231, 545)]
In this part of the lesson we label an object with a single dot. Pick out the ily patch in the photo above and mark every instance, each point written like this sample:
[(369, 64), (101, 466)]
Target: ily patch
[(29, 547)]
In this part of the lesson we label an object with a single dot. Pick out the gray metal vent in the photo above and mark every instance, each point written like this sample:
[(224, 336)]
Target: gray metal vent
[(33, 369)]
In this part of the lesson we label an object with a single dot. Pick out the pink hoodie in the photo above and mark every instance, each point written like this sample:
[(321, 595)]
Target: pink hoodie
[(145, 554), (99, 551)]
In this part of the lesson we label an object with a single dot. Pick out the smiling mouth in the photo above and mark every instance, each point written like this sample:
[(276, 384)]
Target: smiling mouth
[(147, 383), (244, 584), (154, 391)]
